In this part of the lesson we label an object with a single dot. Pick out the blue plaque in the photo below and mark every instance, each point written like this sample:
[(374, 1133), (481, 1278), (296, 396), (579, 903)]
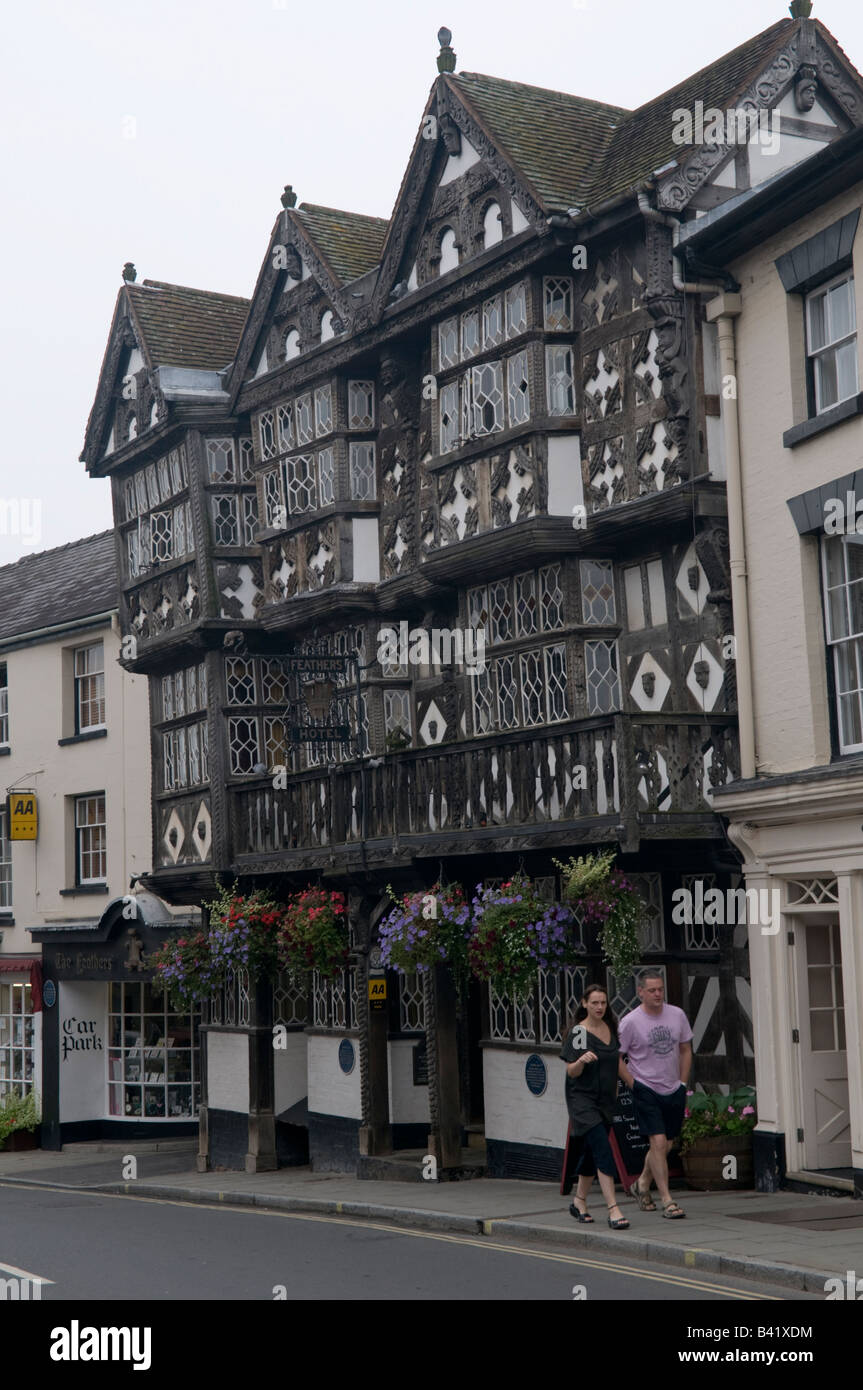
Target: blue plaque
[(347, 1056), (49, 994), (536, 1075)]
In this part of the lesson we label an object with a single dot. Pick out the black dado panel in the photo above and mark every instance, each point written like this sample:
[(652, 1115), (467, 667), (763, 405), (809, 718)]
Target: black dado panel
[(334, 1143), (228, 1133), (531, 1161)]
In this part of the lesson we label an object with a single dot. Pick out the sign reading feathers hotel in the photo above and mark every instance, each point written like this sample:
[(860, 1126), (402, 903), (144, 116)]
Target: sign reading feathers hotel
[(23, 815)]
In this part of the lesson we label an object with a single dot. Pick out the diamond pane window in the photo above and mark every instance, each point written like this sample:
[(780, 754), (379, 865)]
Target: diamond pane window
[(326, 476), (477, 607), (244, 744), (132, 553), (518, 390), (144, 543), (507, 693), (152, 484), (181, 546), (274, 504), (165, 488), (603, 691), (487, 390), (501, 612), (492, 322), (169, 774), (177, 473), (194, 741), (560, 388), (361, 405), (597, 591), (448, 402), (250, 518), (275, 743), (285, 427), (516, 310), (167, 697), (220, 460), (551, 597), (205, 745), (483, 702), (525, 604), (555, 682), (557, 305), (323, 410), (161, 533), (225, 528), (397, 712), (182, 764), (266, 435), (130, 499), (179, 694), (240, 677), (470, 333), (301, 484), (192, 701), (532, 688), (362, 470), (447, 344), (303, 419), (247, 461), (274, 682), (141, 492)]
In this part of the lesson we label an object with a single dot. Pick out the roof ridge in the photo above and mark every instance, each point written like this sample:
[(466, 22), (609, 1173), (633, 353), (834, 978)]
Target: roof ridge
[(187, 289)]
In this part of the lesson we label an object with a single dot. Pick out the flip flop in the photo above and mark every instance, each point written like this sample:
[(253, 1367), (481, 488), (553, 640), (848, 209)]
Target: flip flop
[(644, 1199), (672, 1211)]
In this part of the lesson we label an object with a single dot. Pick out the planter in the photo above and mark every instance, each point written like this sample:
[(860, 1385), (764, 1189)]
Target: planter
[(19, 1140), (703, 1163)]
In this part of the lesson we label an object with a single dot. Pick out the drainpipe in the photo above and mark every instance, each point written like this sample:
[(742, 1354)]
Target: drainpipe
[(684, 286), (722, 311)]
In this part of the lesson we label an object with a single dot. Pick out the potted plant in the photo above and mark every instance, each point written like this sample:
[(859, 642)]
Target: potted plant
[(514, 933), (603, 897), (314, 933), (242, 934), (19, 1118), (716, 1128), (426, 929)]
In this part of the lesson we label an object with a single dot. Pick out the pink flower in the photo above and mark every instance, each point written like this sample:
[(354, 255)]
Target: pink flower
[(731, 1110), (687, 1114), (747, 1110)]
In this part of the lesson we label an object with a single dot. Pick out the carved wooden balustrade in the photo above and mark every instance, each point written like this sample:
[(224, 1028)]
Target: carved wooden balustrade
[(525, 788)]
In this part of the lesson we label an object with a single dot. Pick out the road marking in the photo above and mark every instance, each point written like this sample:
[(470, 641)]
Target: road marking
[(24, 1274), (702, 1285)]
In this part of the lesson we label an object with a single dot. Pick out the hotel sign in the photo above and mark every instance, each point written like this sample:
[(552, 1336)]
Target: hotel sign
[(22, 815)]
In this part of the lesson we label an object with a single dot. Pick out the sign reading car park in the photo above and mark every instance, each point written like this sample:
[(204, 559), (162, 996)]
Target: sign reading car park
[(23, 815)]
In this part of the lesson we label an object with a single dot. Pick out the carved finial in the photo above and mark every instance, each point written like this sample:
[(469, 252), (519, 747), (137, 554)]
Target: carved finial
[(800, 9), (129, 273), (446, 57), (289, 197)]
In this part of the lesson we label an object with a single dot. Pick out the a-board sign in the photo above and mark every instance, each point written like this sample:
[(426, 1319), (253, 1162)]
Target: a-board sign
[(628, 1147)]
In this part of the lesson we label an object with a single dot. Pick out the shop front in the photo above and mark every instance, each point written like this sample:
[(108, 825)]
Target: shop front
[(117, 1062)]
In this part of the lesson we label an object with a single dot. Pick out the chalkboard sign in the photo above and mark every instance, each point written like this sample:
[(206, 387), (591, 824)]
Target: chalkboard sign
[(628, 1147)]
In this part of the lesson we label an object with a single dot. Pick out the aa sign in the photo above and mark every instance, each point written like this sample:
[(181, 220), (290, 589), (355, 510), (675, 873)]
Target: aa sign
[(23, 815)]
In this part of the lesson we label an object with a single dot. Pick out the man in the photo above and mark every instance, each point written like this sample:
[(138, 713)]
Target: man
[(658, 1040)]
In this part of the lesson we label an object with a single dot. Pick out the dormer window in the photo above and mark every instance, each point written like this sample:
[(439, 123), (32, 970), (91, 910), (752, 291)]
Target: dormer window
[(448, 251), (492, 226), (327, 330), (292, 344)]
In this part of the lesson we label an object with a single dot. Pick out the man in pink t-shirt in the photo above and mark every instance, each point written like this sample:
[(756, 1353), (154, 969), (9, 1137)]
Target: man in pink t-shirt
[(657, 1039)]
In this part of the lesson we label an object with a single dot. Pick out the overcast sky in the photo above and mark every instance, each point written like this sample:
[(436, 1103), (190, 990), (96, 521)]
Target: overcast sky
[(163, 134)]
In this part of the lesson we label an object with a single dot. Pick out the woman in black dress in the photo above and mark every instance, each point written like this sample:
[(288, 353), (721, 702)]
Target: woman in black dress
[(592, 1054)]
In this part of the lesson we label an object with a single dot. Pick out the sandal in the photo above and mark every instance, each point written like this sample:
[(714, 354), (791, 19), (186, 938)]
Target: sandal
[(644, 1199), (621, 1224), (672, 1211), (583, 1216)]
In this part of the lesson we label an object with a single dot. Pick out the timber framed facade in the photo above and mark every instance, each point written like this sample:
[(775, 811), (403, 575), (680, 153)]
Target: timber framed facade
[(495, 412)]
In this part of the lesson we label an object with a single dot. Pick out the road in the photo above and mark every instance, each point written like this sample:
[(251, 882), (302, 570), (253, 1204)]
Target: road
[(92, 1246)]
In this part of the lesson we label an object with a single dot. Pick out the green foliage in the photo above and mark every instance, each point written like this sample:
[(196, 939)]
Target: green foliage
[(711, 1116), (18, 1112), (314, 933), (514, 933), (602, 897)]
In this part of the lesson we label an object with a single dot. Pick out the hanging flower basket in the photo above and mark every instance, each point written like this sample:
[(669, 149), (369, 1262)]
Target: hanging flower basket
[(604, 898), (314, 933), (514, 933), (425, 929), (242, 935)]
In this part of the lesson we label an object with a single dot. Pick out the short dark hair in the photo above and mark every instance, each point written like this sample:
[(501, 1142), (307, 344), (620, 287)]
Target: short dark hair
[(644, 975)]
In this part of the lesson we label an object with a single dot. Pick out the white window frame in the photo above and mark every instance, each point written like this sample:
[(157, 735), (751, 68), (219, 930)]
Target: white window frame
[(80, 677), (83, 848), (4, 705), (839, 641), (5, 863), (832, 345)]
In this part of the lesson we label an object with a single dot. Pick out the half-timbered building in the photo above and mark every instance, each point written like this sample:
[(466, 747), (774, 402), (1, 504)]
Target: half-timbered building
[(496, 413)]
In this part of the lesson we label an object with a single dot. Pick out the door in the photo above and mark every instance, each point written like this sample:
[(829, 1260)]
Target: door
[(824, 1061)]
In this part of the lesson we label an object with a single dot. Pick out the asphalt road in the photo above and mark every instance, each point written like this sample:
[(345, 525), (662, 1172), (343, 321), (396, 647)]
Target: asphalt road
[(100, 1247)]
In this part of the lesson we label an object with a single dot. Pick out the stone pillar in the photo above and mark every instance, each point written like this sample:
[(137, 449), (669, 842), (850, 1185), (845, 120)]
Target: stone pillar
[(851, 935), (444, 1091)]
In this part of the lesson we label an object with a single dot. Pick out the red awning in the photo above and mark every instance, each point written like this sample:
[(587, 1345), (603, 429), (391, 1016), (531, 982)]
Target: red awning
[(20, 965)]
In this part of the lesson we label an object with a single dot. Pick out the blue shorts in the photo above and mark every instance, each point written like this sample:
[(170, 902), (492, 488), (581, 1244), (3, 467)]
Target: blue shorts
[(658, 1114)]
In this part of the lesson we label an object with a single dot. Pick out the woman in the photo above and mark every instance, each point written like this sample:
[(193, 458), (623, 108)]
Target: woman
[(591, 1088)]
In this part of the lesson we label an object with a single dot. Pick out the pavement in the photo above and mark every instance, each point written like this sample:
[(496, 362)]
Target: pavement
[(795, 1240)]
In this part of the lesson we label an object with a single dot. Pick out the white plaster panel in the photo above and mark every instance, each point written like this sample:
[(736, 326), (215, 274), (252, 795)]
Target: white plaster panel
[(367, 560), (792, 150), (228, 1072), (331, 1092), (458, 164), (819, 115), (511, 1112), (409, 1104), (565, 483), (83, 1007), (519, 221), (291, 1073)]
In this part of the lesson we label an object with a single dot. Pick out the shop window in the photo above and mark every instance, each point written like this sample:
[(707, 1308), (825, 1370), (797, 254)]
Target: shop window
[(89, 687), (16, 1039), (90, 839), (153, 1056)]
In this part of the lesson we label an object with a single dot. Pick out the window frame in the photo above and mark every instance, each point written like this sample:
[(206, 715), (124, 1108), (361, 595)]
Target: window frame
[(79, 678), (81, 829), (830, 347)]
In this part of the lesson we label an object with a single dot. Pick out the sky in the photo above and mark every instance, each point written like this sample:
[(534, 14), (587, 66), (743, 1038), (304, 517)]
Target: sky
[(164, 134)]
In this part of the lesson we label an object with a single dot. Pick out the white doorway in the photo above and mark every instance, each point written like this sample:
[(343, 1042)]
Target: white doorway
[(823, 1057)]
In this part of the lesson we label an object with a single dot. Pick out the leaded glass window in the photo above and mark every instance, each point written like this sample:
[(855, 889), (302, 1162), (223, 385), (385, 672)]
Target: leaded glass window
[(477, 607), (244, 744), (303, 419), (274, 505), (164, 479), (361, 405), (301, 484), (326, 476), (274, 682), (266, 435), (323, 410), (603, 690), (557, 304), (240, 678), (397, 712), (483, 701), (532, 688), (556, 682), (448, 402), (487, 392), (597, 591), (226, 530), (285, 424), (560, 387), (516, 310), (507, 693), (518, 390), (247, 461), (501, 611), (470, 333), (161, 533), (525, 604), (362, 471), (551, 597), (447, 344), (250, 517), (492, 322), (220, 460), (152, 484)]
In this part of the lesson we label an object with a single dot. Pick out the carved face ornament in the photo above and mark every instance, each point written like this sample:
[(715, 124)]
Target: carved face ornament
[(805, 88)]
